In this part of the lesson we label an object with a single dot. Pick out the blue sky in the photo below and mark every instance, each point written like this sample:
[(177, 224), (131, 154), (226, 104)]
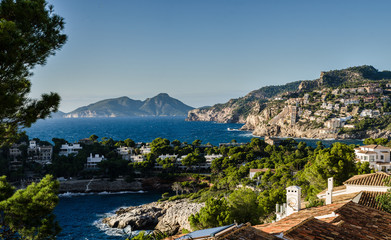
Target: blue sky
[(205, 52)]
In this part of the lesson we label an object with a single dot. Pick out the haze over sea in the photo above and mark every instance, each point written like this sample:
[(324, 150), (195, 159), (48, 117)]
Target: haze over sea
[(79, 215)]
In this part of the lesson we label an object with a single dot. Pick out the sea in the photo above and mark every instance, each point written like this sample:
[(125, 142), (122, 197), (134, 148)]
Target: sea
[(80, 215)]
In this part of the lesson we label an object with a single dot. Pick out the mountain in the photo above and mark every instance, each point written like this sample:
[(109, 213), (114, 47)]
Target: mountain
[(160, 105), (164, 105), (236, 110), (57, 114), (350, 103)]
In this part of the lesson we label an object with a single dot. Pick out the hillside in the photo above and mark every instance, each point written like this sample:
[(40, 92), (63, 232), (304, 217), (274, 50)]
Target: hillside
[(160, 105), (348, 103), (236, 110)]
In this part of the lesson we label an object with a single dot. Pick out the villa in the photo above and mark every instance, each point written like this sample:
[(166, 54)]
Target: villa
[(67, 149), (92, 161), (377, 156)]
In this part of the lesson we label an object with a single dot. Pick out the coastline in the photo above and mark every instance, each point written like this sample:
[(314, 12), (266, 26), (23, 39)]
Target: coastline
[(119, 185), (167, 216)]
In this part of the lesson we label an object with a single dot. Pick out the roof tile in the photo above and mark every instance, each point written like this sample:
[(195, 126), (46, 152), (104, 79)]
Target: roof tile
[(372, 179)]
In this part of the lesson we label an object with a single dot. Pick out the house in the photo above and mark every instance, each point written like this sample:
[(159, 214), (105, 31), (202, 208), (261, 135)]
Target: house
[(342, 219), (45, 154), (145, 150), (40, 154), (350, 101), (369, 183), (370, 113), (67, 149), (211, 157), (93, 160), (168, 156), (125, 152), (377, 156), (272, 141), (137, 158)]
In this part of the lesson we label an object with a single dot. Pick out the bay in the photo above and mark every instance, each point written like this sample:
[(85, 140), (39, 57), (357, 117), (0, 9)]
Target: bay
[(146, 129), (80, 215)]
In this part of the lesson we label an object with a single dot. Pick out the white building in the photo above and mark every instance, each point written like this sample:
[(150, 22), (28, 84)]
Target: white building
[(370, 113), (67, 149), (145, 150), (211, 157), (168, 156), (377, 156), (92, 161), (40, 154), (125, 152), (371, 182), (137, 158)]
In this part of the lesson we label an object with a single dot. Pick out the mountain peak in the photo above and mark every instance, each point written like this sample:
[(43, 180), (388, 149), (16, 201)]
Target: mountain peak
[(160, 105)]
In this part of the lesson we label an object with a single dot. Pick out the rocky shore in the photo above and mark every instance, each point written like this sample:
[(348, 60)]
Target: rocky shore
[(168, 216), (105, 185)]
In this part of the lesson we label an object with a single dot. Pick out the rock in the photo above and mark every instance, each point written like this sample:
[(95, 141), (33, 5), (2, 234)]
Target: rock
[(168, 216), (177, 215)]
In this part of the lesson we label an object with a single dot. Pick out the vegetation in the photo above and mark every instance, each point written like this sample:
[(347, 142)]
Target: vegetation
[(27, 213), (27, 39), (30, 32), (385, 199)]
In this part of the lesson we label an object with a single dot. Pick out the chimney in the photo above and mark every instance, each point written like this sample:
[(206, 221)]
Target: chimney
[(329, 192), (293, 199)]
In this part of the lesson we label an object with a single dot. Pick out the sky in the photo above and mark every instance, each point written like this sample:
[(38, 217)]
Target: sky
[(204, 52)]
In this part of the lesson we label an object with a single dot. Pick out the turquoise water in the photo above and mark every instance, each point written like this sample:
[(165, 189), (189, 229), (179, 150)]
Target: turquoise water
[(80, 215)]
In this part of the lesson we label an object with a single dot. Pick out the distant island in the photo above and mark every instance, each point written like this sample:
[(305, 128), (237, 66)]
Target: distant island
[(160, 105), (352, 103)]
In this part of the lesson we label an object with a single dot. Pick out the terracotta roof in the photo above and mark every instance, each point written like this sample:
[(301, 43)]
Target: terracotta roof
[(351, 221), (246, 232), (369, 222), (367, 152), (367, 198), (371, 179), (313, 228), (296, 218), (374, 147)]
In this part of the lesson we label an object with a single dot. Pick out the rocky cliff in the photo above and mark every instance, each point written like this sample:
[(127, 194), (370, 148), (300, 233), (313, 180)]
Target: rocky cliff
[(224, 115), (237, 110), (168, 216), (340, 104)]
